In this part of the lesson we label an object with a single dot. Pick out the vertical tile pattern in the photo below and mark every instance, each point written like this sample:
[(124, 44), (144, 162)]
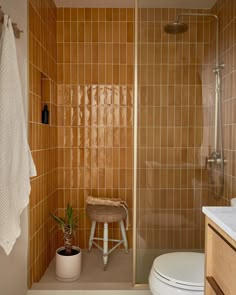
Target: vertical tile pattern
[(92, 123), (226, 11), (42, 138), (172, 139), (95, 109)]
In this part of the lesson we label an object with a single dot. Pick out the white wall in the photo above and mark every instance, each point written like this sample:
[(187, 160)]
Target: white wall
[(13, 268)]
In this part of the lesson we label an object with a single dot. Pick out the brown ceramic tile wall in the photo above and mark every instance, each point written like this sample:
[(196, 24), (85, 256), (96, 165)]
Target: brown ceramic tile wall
[(95, 123), (226, 11), (173, 86), (42, 138), (95, 109)]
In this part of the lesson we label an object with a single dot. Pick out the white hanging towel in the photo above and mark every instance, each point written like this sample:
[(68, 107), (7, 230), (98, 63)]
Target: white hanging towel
[(16, 163)]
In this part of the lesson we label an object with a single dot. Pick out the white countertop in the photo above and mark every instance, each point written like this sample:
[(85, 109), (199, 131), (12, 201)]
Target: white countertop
[(224, 217)]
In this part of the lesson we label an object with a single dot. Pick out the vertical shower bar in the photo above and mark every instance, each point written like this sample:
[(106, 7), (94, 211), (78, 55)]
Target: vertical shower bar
[(217, 90), (135, 142), (217, 85), (216, 71)]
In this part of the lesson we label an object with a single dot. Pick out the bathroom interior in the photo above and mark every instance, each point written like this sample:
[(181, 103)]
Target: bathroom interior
[(137, 112)]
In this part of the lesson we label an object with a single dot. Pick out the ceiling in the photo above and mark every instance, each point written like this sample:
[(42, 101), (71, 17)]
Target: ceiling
[(205, 4), (95, 3)]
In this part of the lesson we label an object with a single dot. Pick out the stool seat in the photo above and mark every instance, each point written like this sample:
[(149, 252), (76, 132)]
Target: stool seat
[(104, 213)]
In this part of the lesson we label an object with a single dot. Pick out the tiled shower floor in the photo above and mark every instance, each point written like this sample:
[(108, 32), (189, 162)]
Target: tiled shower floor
[(117, 276)]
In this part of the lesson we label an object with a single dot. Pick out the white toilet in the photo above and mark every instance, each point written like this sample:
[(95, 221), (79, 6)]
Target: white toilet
[(179, 273)]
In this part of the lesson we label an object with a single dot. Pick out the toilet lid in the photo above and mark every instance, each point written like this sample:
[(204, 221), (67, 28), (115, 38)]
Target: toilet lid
[(184, 268)]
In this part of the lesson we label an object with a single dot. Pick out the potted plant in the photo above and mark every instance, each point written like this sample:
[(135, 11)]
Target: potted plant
[(68, 258)]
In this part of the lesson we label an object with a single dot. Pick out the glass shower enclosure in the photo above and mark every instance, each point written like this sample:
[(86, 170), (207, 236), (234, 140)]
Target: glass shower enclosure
[(174, 132)]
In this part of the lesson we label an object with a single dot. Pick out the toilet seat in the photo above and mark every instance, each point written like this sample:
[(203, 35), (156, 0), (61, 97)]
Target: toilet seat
[(183, 270)]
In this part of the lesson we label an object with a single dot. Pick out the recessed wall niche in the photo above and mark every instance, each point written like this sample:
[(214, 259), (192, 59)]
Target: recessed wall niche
[(46, 93)]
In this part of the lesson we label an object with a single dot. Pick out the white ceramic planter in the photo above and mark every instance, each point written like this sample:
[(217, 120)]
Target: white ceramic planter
[(68, 268)]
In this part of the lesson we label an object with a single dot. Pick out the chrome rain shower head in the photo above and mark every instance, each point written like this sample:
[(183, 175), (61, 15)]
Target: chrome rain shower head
[(176, 28)]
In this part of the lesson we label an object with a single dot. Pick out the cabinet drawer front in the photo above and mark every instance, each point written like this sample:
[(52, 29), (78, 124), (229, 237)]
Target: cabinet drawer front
[(221, 261)]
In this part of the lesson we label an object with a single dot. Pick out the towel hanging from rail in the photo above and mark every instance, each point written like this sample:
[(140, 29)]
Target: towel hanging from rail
[(16, 30), (17, 165)]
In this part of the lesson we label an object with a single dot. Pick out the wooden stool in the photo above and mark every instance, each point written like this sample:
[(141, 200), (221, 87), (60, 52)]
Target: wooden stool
[(106, 214)]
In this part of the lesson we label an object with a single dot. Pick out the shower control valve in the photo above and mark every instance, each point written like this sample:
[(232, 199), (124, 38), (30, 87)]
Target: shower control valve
[(215, 158), (209, 161)]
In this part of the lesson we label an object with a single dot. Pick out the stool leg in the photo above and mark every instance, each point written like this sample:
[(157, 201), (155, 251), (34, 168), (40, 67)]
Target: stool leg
[(105, 244), (92, 234), (122, 228)]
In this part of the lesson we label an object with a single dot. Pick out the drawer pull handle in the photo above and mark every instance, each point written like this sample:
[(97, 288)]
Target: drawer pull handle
[(214, 286), (223, 238)]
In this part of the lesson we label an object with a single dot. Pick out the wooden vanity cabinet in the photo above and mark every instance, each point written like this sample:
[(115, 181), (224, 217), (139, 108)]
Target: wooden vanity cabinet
[(220, 261)]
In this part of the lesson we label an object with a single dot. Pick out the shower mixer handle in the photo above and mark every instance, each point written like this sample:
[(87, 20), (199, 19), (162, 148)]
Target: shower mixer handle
[(209, 161), (214, 158)]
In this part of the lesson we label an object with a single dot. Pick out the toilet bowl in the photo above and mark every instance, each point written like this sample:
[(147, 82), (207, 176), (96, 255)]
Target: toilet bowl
[(179, 273)]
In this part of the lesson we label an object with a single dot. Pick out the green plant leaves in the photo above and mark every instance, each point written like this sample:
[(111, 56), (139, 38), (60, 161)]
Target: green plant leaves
[(69, 221)]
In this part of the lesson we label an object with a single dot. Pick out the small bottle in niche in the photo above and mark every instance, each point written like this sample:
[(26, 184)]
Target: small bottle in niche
[(45, 115)]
